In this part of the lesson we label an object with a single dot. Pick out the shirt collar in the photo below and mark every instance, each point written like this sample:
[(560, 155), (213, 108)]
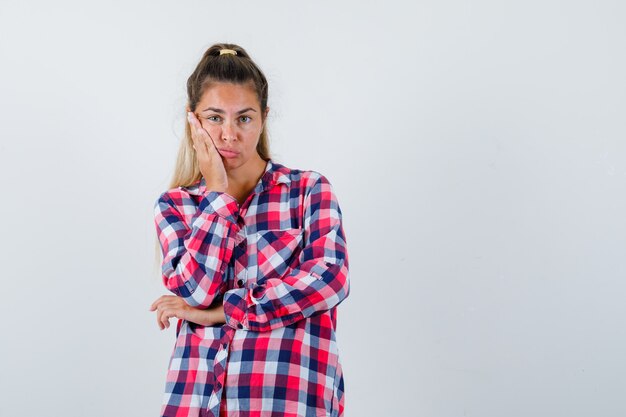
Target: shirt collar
[(274, 173)]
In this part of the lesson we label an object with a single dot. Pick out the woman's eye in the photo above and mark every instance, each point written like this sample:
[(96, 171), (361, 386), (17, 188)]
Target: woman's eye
[(212, 117), (245, 117)]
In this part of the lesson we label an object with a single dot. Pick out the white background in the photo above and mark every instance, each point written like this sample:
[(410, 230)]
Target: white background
[(476, 147)]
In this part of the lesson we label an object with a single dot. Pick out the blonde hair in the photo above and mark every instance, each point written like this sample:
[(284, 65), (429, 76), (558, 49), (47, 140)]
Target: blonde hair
[(216, 68)]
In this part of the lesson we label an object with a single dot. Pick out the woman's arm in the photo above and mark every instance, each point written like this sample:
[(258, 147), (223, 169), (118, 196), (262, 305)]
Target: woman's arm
[(171, 306), (196, 255), (319, 283)]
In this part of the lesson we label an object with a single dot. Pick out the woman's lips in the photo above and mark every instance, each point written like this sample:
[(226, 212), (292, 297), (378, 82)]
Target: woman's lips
[(228, 154)]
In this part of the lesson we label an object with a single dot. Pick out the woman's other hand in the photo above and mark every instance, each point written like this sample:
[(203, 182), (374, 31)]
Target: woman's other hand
[(169, 306), (209, 159)]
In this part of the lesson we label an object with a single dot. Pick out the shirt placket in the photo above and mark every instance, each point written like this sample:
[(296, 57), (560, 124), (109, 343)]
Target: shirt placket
[(241, 258), (241, 276), (221, 358), (219, 371)]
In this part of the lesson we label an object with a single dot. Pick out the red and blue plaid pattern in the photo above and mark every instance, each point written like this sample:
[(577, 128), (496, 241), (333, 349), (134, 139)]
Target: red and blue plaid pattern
[(279, 264)]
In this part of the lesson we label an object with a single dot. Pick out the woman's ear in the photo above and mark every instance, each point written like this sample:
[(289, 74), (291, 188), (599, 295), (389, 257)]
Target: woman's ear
[(267, 110)]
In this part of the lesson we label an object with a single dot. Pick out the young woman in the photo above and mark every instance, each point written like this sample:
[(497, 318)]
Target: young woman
[(255, 255)]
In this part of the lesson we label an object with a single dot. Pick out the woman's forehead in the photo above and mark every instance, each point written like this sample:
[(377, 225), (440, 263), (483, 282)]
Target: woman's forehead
[(229, 97)]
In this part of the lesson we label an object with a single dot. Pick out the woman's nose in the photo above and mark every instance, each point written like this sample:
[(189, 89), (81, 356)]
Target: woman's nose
[(228, 132)]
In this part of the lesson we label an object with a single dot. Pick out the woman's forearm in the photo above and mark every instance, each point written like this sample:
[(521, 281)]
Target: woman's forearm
[(207, 317)]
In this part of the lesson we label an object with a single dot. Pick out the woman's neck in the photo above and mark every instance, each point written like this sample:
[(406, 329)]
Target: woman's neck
[(242, 183)]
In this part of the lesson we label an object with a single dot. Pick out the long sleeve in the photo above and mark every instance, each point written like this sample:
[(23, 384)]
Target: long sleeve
[(319, 283), (196, 255)]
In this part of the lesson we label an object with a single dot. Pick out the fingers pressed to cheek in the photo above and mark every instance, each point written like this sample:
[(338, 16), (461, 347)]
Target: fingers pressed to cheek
[(193, 128), (197, 126), (208, 139)]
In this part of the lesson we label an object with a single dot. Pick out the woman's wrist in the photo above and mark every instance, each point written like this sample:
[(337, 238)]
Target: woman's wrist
[(203, 317)]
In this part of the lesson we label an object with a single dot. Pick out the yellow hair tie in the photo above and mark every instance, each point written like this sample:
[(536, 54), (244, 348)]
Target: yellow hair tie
[(228, 51)]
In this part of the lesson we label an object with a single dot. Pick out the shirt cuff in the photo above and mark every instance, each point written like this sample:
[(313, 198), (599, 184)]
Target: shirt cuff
[(220, 203), (235, 306)]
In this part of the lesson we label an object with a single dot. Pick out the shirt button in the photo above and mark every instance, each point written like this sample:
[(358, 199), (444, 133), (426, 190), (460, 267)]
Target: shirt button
[(225, 345), (219, 385), (239, 326), (240, 282)]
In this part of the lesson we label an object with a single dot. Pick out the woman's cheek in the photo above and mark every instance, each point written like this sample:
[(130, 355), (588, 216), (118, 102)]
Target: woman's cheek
[(213, 131)]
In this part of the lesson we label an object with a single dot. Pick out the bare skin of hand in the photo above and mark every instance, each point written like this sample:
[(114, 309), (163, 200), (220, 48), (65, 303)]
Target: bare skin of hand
[(209, 159), (172, 306)]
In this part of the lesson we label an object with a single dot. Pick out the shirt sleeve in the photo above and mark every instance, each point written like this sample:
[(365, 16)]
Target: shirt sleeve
[(319, 283), (196, 255)]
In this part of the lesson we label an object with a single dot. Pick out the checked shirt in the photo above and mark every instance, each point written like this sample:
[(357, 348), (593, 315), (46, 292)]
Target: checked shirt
[(279, 265)]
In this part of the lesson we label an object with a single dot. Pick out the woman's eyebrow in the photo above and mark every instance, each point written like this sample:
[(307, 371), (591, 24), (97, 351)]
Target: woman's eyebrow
[(216, 110)]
